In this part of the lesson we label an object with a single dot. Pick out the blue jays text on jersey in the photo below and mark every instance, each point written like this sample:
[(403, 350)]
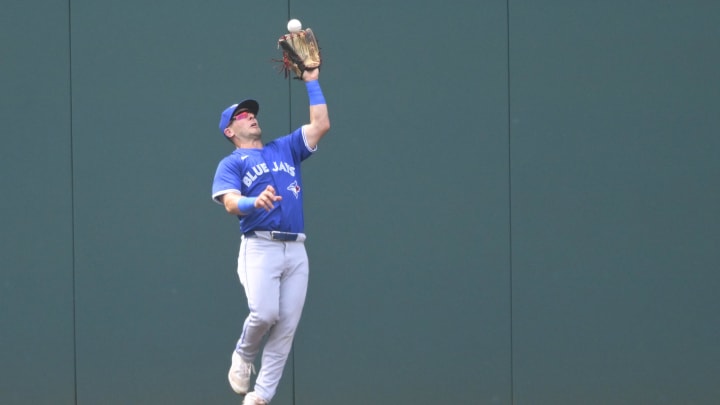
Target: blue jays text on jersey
[(250, 171), (258, 170)]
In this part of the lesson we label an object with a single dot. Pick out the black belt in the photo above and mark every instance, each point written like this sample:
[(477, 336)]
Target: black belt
[(276, 235)]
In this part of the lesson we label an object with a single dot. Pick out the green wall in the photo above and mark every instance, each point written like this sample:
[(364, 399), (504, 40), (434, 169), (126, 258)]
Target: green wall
[(615, 224), (516, 204)]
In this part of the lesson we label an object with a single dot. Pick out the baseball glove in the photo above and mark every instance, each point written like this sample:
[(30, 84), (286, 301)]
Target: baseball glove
[(300, 52)]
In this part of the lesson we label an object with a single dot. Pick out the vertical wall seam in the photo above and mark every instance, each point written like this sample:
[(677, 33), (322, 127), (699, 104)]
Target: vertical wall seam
[(510, 238), (72, 202), (289, 123)]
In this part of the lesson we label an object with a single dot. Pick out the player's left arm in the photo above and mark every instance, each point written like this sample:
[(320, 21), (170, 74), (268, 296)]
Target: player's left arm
[(266, 200), (319, 119)]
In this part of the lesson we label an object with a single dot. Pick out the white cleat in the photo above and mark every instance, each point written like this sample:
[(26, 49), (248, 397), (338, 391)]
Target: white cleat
[(252, 399), (239, 374)]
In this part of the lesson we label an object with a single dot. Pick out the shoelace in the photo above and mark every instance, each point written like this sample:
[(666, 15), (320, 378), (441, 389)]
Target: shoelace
[(248, 368)]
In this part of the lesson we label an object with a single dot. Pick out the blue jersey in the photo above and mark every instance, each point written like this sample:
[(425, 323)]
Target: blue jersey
[(250, 171)]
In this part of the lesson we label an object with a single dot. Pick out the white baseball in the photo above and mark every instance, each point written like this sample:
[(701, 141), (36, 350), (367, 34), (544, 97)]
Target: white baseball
[(294, 25)]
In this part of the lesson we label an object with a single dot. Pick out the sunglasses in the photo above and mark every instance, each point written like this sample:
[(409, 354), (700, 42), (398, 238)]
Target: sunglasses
[(242, 115)]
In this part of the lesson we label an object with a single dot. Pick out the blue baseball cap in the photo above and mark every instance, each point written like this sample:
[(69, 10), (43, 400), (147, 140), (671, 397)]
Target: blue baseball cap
[(226, 116)]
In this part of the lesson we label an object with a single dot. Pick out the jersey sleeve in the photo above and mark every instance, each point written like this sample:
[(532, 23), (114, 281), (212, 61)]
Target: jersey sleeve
[(226, 179), (298, 145), (311, 150)]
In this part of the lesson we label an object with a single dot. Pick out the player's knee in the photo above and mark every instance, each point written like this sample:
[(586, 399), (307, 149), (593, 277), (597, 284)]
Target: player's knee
[(266, 318)]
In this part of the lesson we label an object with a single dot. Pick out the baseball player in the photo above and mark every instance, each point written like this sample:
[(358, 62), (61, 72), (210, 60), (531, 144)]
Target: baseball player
[(262, 185)]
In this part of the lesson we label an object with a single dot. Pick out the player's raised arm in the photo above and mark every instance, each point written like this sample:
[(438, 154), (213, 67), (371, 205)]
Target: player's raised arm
[(301, 55), (319, 119)]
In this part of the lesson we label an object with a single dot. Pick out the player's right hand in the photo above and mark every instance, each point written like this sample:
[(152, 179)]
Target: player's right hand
[(267, 199)]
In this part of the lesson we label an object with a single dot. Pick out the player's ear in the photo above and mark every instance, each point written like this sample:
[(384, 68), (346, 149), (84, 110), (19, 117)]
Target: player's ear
[(228, 132)]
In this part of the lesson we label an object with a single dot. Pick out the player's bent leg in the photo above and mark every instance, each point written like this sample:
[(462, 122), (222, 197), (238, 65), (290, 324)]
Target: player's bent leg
[(259, 270)]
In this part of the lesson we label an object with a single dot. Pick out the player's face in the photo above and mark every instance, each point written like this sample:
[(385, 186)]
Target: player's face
[(245, 123)]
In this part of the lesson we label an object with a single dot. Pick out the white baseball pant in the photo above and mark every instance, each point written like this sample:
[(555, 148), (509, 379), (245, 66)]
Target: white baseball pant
[(275, 277)]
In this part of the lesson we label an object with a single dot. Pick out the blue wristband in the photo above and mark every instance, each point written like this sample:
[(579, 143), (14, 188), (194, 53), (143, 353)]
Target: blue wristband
[(246, 205), (315, 92)]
